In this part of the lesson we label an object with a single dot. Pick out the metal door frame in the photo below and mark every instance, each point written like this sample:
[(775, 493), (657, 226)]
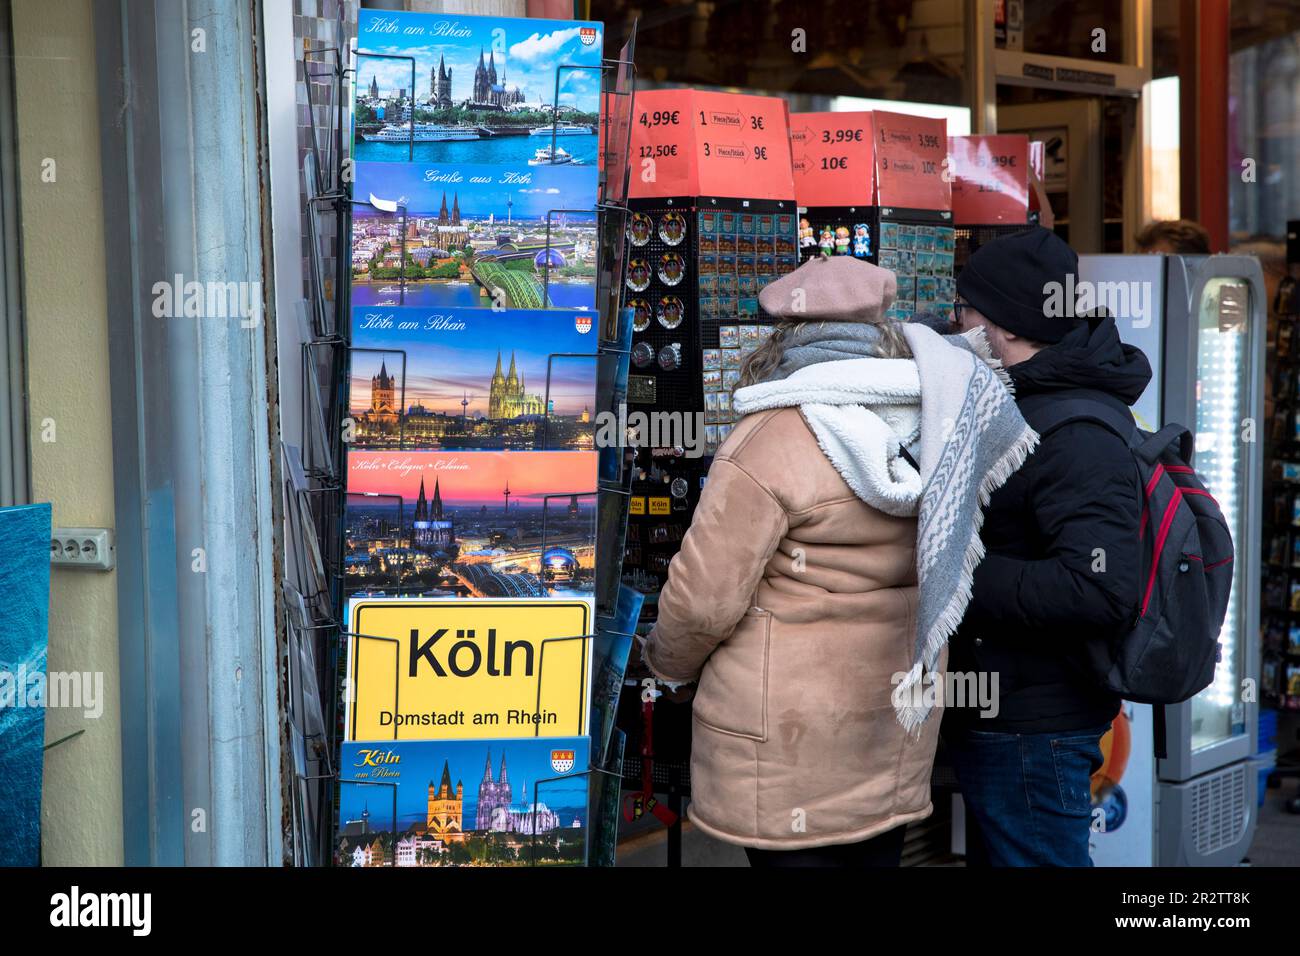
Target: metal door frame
[(15, 457), (1186, 278), (183, 165)]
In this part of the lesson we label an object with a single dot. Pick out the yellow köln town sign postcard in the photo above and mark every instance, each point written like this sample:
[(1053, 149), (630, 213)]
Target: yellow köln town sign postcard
[(457, 669)]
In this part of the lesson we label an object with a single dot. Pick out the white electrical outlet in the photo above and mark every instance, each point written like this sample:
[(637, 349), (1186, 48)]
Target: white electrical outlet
[(89, 548)]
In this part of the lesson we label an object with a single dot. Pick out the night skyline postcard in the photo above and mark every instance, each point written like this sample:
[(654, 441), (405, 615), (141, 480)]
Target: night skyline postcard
[(485, 88), (471, 524), (474, 480)]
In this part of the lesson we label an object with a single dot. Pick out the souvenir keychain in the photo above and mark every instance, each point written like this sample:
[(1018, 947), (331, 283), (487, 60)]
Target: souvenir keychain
[(806, 239), (861, 241), (842, 241), (827, 242), (637, 805)]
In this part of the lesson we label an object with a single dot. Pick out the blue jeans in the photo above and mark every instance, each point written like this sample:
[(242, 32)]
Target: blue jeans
[(1026, 795)]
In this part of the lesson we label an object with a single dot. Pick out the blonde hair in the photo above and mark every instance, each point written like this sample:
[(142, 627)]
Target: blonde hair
[(759, 365)]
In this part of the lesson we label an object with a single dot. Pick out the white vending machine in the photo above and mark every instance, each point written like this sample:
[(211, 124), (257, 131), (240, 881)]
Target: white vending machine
[(1201, 321)]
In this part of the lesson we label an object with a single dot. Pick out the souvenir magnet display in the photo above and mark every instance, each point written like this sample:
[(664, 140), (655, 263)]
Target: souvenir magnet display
[(672, 228)]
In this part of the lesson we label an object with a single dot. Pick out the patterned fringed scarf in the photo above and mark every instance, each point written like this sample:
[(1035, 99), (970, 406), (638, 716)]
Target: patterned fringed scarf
[(951, 406)]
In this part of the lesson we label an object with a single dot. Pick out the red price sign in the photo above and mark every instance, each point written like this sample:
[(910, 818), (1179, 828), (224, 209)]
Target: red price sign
[(743, 146), (833, 158), (697, 143), (910, 154), (662, 145), (990, 178)]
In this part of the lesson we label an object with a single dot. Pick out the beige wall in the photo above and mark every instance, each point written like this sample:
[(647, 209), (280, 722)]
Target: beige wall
[(67, 374)]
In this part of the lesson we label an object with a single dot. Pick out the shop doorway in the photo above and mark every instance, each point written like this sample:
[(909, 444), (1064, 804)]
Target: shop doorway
[(1071, 134)]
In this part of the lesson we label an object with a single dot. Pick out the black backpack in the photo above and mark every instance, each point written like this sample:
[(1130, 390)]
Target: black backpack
[(1171, 651)]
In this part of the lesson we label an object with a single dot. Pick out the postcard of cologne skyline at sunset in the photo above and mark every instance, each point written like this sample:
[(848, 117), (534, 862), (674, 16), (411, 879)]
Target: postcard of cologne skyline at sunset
[(471, 524), (473, 479)]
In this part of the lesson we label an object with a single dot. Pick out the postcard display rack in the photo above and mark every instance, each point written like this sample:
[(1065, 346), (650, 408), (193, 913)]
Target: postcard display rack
[(876, 186), (479, 344), (313, 489)]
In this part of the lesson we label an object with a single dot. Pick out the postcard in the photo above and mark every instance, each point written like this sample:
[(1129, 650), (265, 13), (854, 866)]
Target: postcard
[(470, 524), (464, 802), (472, 379), (511, 237), (500, 667), (486, 89), (24, 549)]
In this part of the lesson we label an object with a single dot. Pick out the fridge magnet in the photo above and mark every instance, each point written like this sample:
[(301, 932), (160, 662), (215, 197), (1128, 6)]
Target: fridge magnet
[(861, 241), (672, 228), (639, 229), (806, 238), (672, 268), (826, 241), (671, 311), (842, 240), (638, 275)]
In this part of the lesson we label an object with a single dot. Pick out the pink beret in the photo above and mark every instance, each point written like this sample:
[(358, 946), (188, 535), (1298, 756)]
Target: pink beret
[(831, 289)]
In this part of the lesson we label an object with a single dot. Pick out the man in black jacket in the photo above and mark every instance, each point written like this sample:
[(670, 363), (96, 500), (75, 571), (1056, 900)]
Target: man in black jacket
[(1062, 565)]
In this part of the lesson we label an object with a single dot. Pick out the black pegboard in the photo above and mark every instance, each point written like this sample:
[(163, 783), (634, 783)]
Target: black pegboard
[(971, 237), (729, 249), (882, 225), (672, 389)]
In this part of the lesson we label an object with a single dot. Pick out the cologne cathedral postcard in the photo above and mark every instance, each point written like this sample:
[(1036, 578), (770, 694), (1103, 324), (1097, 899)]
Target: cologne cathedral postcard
[(504, 237), (466, 379), (480, 89), (464, 803)]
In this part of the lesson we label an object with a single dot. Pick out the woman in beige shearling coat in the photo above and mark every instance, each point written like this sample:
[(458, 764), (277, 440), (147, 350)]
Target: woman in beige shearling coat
[(792, 601)]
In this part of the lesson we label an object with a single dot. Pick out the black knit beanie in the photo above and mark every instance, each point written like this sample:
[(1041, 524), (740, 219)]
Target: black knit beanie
[(1005, 279)]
